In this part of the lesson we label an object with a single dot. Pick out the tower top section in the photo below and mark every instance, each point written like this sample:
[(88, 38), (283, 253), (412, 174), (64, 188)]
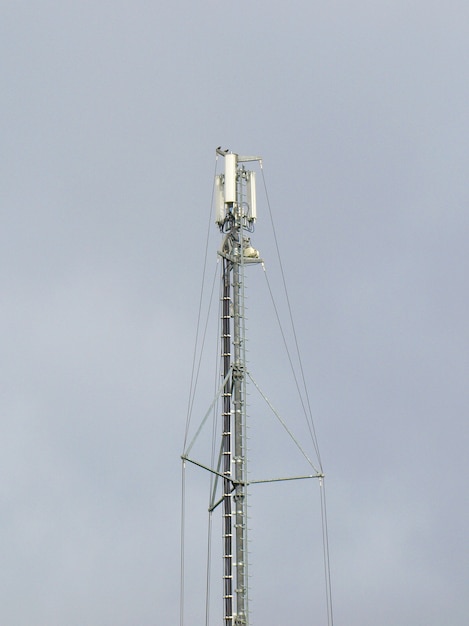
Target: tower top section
[(235, 190)]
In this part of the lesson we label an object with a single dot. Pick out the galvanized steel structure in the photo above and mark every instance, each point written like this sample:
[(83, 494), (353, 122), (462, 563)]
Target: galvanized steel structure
[(236, 213)]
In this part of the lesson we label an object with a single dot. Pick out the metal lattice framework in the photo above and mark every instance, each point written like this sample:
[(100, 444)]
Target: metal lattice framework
[(235, 216)]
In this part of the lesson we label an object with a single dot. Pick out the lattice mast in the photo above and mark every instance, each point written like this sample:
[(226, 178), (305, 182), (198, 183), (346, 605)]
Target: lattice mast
[(235, 216)]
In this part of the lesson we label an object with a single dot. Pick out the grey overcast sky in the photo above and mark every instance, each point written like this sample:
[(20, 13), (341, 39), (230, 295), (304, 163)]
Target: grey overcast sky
[(110, 115)]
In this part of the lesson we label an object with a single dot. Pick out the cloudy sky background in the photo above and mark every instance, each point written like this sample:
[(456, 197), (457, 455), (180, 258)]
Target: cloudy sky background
[(110, 115)]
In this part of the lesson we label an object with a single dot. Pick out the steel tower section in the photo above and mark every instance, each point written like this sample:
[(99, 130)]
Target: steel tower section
[(236, 213)]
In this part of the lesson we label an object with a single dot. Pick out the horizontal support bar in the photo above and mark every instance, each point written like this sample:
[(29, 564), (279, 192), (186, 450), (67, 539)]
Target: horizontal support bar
[(277, 480)]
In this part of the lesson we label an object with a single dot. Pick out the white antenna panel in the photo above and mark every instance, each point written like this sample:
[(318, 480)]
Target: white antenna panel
[(219, 200), (251, 196), (230, 177)]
